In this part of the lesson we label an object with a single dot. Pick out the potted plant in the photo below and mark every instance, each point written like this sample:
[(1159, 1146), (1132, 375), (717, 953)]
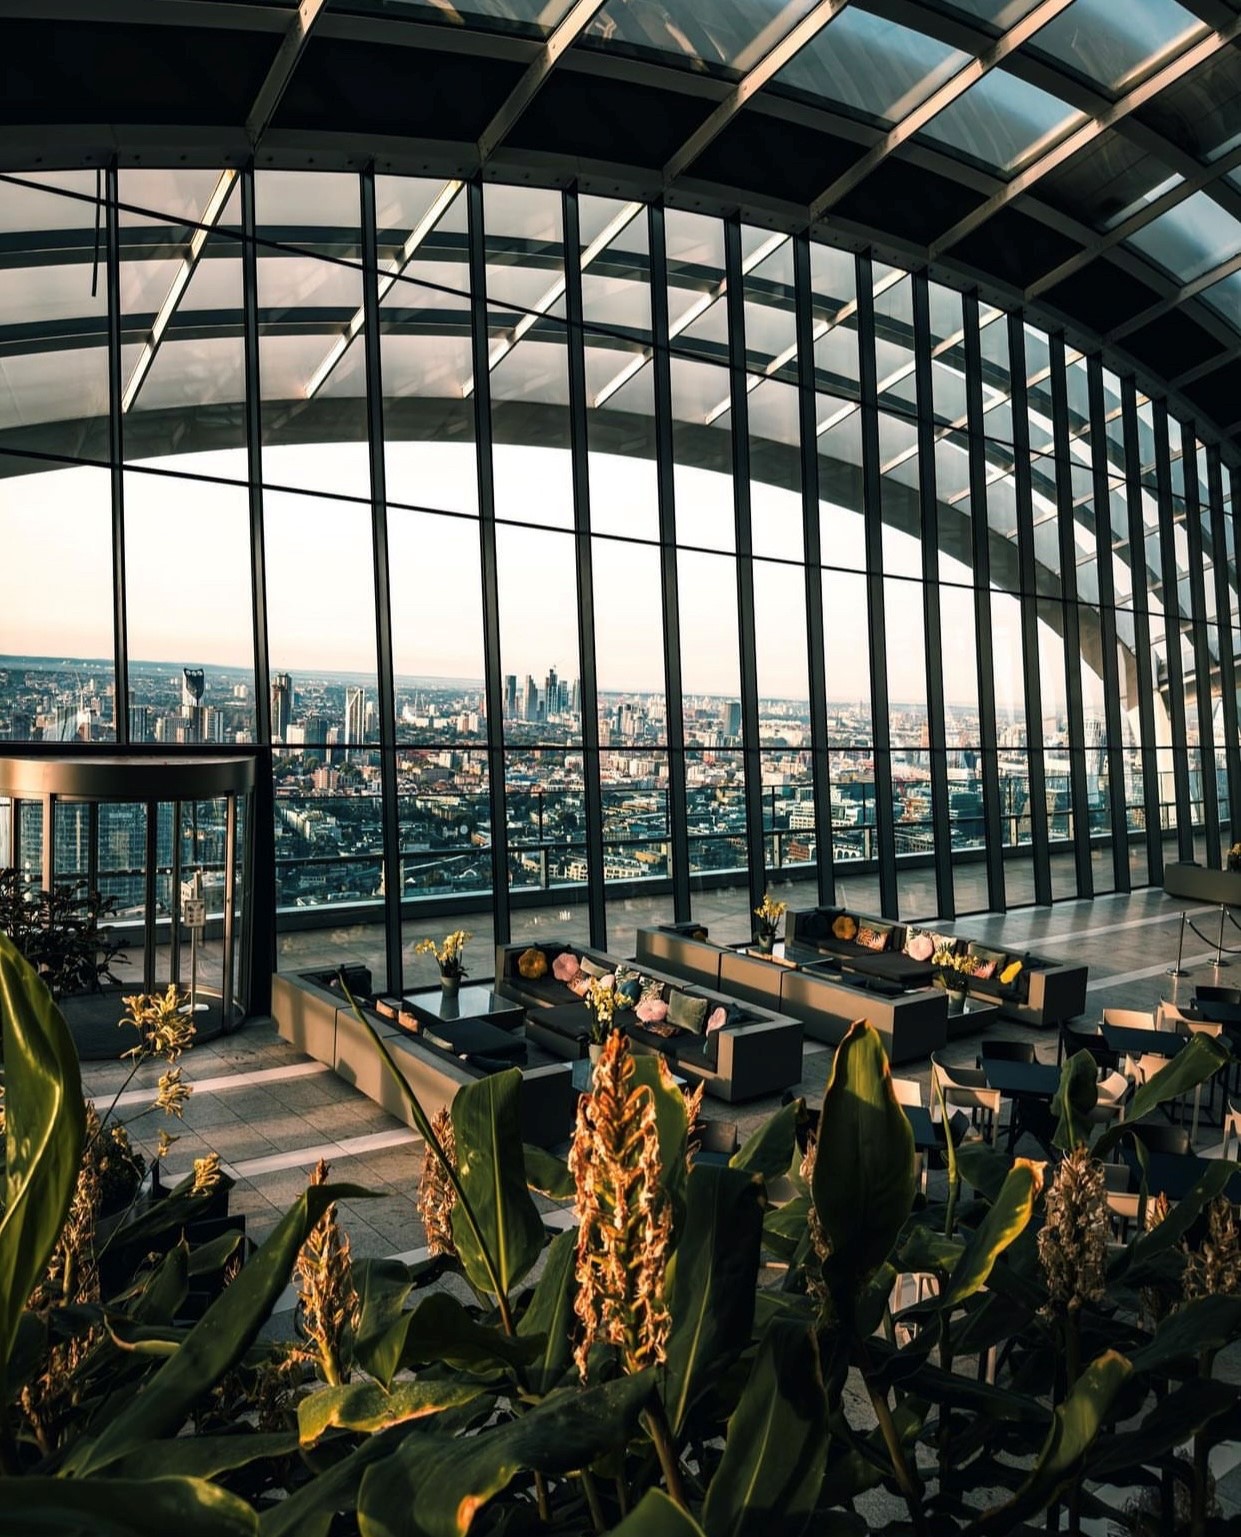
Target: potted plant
[(769, 913), (953, 973), (600, 999), (450, 957)]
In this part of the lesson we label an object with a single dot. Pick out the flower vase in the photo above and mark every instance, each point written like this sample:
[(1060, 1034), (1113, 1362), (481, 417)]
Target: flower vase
[(596, 1051), (956, 1000), (766, 940), (450, 983)]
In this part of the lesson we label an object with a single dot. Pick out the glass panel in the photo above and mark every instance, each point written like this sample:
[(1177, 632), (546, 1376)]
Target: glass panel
[(1003, 121), (629, 646), (1190, 238), (637, 848), (56, 645), (710, 659), (715, 782), (191, 662), (1117, 48), (539, 639), (437, 628), (546, 808), (54, 367), (730, 38), (846, 645)]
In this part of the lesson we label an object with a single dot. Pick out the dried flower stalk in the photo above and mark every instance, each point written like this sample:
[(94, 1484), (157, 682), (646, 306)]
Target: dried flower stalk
[(1072, 1245), (327, 1300), (436, 1195), (164, 1030), (816, 1286), (206, 1174), (624, 1215), (1215, 1270)]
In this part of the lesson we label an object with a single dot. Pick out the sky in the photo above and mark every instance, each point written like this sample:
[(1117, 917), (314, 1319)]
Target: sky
[(188, 594)]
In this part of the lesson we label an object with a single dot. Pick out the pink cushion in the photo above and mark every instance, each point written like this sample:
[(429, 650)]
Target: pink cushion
[(920, 948), (986, 971), (607, 981), (716, 1019), (565, 967), (652, 1011), (579, 984)]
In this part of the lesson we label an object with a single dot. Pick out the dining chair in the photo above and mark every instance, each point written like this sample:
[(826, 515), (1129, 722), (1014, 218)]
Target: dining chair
[(966, 1088), (1232, 1128), (1157, 1138), (908, 1091), (1129, 1019), (1006, 1051)]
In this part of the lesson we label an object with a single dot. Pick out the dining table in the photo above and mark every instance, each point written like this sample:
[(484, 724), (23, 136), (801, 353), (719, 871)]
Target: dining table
[(1174, 1174), (1144, 1043), (1030, 1086)]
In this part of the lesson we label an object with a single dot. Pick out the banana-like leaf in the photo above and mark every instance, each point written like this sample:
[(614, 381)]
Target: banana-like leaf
[(138, 1229), (1076, 1097), (1207, 1323), (923, 1248), (864, 1174), (42, 1141), (210, 1257), (165, 1289), (549, 1315), (487, 1125), (440, 1329), (382, 1286), (208, 1456), (365, 1406), (123, 1507), (1173, 1421), (1148, 1247), (217, 1341), (547, 1174), (1201, 1059), (784, 1228), (655, 1515), (776, 1451), (1007, 1218), (769, 1151), (1074, 1426), (311, 1510), (434, 1487), (983, 1167), (711, 1281)]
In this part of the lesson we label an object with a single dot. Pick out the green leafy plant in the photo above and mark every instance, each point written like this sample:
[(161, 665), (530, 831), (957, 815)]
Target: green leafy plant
[(61, 932)]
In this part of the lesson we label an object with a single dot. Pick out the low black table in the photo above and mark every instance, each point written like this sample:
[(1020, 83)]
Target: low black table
[(432, 1006), (1143, 1043), (1031, 1087)]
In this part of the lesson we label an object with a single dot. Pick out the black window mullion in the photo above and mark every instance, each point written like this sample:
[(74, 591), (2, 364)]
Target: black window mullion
[(820, 758), (1029, 610), (1227, 660), (756, 862), (1172, 633), (661, 363), (1142, 632), (1065, 519), (494, 683), (116, 462), (390, 818), (937, 732), (885, 834), (262, 829), (589, 692), (987, 733), (1107, 623), (1202, 659)]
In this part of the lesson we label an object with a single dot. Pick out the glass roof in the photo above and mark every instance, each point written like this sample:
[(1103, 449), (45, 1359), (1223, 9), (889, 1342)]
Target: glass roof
[(1003, 121), (1191, 238), (1117, 44), (730, 35)]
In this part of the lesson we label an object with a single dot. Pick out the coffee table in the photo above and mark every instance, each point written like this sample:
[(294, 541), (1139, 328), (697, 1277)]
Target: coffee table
[(433, 1006)]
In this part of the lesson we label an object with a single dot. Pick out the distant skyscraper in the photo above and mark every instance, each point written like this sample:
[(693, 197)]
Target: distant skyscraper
[(139, 723), (281, 706), (193, 681), (355, 716), (510, 696), (732, 726), (551, 693), (530, 710)]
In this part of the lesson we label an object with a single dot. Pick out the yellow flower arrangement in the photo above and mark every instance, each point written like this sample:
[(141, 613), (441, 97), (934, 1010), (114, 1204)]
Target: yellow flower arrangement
[(449, 955), (769, 911), (600, 999)]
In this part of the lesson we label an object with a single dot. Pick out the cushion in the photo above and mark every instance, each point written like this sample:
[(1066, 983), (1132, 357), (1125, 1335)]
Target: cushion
[(628, 993), (984, 970), (845, 927), (1010, 973), (532, 963), (717, 1019), (580, 984), (651, 988), (607, 980), (652, 1011), (565, 967), (873, 936), (919, 946), (592, 968), (686, 1012)]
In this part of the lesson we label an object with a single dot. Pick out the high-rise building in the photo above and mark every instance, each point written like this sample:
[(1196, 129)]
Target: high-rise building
[(355, 716), (551, 694), (281, 706), (530, 706), (140, 723), (732, 718), (193, 682), (510, 696)]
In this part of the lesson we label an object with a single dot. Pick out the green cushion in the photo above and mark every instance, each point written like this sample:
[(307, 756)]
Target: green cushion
[(687, 1013)]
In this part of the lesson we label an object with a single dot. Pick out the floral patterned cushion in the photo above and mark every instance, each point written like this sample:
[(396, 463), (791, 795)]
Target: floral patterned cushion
[(873, 938), (920, 947)]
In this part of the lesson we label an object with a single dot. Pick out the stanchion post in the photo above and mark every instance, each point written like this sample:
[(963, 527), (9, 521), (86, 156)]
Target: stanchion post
[(1178, 970), (1219, 949)]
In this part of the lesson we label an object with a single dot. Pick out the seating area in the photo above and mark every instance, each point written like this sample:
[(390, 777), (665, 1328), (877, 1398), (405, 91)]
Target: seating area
[(737, 1048), (1031, 989), (911, 1016)]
